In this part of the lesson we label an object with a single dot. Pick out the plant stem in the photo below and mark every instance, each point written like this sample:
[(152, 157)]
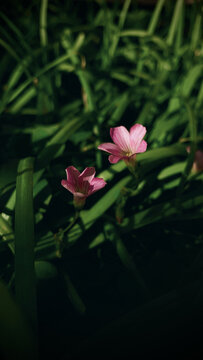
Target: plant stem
[(73, 222), (59, 237), (155, 17), (43, 23)]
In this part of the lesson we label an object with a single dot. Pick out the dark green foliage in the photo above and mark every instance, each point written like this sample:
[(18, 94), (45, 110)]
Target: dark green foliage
[(69, 71)]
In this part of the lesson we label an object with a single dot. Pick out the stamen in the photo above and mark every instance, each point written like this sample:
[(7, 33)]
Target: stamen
[(128, 154)]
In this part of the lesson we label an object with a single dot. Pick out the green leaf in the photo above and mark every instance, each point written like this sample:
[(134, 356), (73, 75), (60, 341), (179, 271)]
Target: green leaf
[(25, 286), (175, 21), (121, 105), (6, 233), (190, 80), (172, 170), (196, 33), (136, 33), (22, 100), (165, 211), (16, 338), (155, 16), (99, 239), (147, 160)]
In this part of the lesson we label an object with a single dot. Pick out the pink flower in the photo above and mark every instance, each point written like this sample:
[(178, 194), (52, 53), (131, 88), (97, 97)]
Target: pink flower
[(126, 143), (82, 185), (198, 160)]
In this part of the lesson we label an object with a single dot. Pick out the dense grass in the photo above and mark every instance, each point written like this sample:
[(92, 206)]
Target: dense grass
[(69, 71)]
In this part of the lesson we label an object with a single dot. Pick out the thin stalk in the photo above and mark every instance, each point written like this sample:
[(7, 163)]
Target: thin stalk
[(59, 237), (180, 29), (174, 22), (155, 17), (43, 23), (75, 219), (121, 22), (193, 136)]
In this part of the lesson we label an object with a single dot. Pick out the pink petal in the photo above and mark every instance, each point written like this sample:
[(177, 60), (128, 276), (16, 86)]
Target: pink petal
[(68, 186), (96, 184), (142, 147), (121, 137), (72, 176), (87, 175), (84, 186), (114, 159), (110, 148), (137, 132)]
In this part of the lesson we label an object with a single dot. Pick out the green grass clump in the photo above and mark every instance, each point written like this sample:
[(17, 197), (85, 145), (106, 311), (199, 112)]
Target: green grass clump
[(69, 71)]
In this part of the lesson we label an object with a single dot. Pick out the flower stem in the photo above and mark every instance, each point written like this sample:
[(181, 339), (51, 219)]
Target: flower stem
[(73, 222), (59, 237)]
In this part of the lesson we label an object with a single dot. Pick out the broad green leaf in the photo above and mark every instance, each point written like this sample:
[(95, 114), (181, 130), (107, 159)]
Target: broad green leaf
[(172, 170), (121, 105), (190, 80), (23, 100), (165, 211), (16, 338), (41, 132), (7, 233), (99, 239), (25, 286), (196, 33)]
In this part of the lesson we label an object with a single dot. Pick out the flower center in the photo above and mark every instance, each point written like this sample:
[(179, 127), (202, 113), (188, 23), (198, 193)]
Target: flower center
[(128, 154), (83, 187)]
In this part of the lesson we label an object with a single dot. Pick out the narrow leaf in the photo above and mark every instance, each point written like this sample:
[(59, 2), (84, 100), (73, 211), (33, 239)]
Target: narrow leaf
[(24, 242)]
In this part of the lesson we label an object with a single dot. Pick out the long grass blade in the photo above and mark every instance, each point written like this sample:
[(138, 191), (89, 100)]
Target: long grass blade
[(155, 17), (43, 23), (25, 286), (16, 338), (122, 18), (174, 23)]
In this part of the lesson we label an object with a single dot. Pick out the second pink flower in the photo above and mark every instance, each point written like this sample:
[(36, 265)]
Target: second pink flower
[(126, 143)]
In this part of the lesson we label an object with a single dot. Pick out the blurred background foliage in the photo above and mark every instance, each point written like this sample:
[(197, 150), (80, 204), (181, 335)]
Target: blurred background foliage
[(69, 71)]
